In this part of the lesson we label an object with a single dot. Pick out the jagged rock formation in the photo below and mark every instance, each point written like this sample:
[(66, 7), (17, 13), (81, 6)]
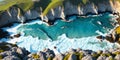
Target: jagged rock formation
[(12, 52), (14, 14)]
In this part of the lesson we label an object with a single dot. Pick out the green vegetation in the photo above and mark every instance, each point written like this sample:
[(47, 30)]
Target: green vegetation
[(111, 58), (1, 57), (46, 5), (95, 55), (66, 57), (116, 53), (106, 54), (49, 58), (1, 50), (41, 3), (53, 4), (23, 4), (35, 56)]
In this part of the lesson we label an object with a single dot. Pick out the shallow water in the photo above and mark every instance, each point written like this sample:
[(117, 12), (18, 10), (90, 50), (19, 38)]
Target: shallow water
[(78, 28), (79, 33)]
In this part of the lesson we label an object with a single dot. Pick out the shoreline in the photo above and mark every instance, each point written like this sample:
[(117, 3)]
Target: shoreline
[(38, 20), (15, 52), (69, 54), (66, 18)]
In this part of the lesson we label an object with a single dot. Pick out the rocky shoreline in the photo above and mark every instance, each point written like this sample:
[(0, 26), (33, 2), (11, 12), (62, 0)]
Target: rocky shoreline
[(13, 52), (15, 14)]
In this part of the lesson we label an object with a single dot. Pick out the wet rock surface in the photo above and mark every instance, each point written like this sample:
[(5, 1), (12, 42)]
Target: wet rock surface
[(3, 34), (18, 53)]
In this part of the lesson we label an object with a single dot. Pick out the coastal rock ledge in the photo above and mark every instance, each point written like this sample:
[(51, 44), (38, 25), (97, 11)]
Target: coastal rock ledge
[(15, 14)]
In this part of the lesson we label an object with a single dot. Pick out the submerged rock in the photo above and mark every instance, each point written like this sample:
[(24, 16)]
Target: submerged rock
[(17, 35)]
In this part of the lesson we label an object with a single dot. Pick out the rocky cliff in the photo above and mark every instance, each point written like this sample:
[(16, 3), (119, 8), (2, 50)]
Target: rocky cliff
[(14, 14)]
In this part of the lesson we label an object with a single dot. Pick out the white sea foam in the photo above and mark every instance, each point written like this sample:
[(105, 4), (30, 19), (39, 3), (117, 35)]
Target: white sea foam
[(63, 43)]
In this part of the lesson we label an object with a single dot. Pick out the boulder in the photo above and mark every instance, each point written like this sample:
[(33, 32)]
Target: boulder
[(72, 57), (109, 58), (71, 51), (59, 57), (87, 57), (42, 55), (17, 35), (101, 58), (117, 57), (11, 58), (8, 53), (22, 52)]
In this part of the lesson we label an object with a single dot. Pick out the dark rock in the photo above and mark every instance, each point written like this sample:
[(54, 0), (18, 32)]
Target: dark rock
[(11, 58), (49, 53), (3, 34), (26, 58), (30, 59), (8, 53), (72, 57), (118, 20), (17, 35), (11, 37), (13, 49), (99, 37), (42, 55), (22, 52), (6, 46), (110, 38)]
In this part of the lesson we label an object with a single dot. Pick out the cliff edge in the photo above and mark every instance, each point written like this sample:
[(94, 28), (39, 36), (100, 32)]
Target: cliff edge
[(15, 14)]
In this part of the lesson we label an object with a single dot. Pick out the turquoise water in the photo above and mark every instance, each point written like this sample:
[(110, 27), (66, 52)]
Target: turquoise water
[(79, 33), (78, 28)]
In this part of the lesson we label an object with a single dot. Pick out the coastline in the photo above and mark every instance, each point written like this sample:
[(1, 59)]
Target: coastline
[(59, 12), (15, 40), (17, 53), (47, 53)]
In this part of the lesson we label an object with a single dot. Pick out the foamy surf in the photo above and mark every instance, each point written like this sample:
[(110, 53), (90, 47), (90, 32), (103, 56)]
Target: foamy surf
[(63, 43)]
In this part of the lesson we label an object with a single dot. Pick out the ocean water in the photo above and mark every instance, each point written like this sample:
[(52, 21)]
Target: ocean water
[(79, 33), (78, 28)]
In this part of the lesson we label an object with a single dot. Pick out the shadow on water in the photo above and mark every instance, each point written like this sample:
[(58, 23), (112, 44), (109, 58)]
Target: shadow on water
[(80, 27)]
